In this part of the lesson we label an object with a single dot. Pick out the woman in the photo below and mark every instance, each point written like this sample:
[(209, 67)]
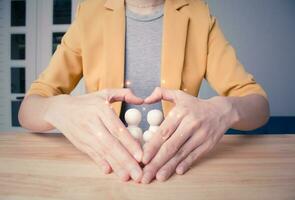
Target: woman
[(162, 50)]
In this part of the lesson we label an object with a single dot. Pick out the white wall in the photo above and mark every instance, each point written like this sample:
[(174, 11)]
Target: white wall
[(263, 33)]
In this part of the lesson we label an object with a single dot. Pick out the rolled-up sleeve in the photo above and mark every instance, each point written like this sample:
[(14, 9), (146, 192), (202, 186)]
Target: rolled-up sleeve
[(65, 67), (224, 72)]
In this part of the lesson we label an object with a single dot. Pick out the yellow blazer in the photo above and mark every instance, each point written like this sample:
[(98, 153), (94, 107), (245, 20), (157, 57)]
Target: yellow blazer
[(193, 48)]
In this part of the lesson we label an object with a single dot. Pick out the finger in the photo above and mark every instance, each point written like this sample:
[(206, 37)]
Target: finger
[(103, 164), (161, 94), (97, 141), (114, 149), (169, 149), (86, 148), (118, 169), (116, 127), (124, 94), (166, 129), (125, 162), (90, 145), (195, 155), (193, 142)]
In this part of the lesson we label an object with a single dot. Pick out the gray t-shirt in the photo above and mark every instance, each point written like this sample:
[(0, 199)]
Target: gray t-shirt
[(143, 58)]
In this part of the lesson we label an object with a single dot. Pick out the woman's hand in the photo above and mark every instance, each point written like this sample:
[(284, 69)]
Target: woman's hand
[(191, 129), (91, 124)]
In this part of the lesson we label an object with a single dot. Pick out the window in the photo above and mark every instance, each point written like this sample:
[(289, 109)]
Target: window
[(15, 105), (18, 46), (18, 82), (56, 39), (18, 13), (62, 11)]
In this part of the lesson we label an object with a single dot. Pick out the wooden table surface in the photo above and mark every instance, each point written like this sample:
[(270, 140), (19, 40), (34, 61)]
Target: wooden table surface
[(47, 166)]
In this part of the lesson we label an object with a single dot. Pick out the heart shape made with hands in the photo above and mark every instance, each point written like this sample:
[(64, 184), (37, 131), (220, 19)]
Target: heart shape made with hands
[(133, 116)]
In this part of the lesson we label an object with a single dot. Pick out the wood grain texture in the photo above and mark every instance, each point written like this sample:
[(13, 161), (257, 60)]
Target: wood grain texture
[(47, 166)]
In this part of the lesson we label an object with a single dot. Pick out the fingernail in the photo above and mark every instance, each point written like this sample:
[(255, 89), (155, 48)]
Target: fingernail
[(138, 156), (180, 170), (146, 178), (105, 169), (146, 158), (135, 174), (162, 175)]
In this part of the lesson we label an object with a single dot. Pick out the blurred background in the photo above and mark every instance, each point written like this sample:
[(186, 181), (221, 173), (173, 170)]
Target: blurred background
[(261, 31)]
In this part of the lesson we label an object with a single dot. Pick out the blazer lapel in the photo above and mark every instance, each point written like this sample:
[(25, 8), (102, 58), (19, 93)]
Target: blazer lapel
[(173, 47), (114, 44)]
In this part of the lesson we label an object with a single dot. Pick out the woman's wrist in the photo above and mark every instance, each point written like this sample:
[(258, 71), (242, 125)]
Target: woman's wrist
[(228, 109), (54, 105)]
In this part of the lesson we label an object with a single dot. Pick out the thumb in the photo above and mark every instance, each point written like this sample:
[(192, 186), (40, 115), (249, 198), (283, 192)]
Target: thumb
[(122, 94), (161, 94)]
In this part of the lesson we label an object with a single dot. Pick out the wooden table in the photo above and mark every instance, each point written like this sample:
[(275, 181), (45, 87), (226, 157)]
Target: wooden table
[(47, 166)]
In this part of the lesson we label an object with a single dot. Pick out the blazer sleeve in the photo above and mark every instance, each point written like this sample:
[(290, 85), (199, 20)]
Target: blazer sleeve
[(224, 72), (65, 67)]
